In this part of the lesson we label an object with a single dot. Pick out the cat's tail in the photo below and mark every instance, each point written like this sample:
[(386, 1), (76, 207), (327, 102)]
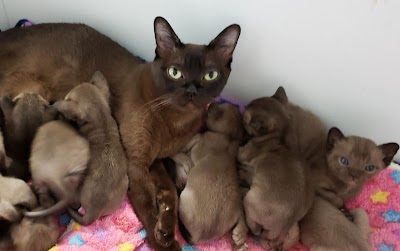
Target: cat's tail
[(185, 233), (60, 205), (83, 220)]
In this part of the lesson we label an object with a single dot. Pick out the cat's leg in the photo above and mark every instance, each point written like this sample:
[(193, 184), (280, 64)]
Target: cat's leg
[(239, 233), (142, 190), (167, 203)]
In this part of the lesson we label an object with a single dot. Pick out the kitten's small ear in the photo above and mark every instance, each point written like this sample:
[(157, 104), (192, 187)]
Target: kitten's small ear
[(6, 103), (100, 82), (224, 44), (334, 135), (280, 95), (166, 39), (389, 150), (70, 110)]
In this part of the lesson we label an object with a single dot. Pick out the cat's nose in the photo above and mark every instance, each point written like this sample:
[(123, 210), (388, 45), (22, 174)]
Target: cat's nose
[(191, 92)]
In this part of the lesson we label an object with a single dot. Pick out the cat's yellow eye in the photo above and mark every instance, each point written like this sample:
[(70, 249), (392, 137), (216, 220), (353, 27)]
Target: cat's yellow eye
[(174, 73), (210, 76)]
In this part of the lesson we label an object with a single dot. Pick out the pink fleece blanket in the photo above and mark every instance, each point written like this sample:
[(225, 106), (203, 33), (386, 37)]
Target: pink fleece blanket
[(122, 231)]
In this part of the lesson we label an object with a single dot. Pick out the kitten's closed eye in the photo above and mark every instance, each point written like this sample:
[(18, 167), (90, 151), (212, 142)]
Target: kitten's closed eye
[(344, 161), (370, 168)]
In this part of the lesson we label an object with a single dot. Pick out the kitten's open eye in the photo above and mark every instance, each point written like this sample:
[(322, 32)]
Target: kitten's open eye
[(370, 168), (344, 161), (210, 76), (174, 73)]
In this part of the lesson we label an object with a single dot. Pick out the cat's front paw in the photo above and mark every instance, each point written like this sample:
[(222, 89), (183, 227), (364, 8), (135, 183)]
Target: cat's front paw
[(164, 230)]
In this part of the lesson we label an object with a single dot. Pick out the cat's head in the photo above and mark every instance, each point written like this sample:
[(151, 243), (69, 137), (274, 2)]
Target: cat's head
[(267, 115), (355, 160), (190, 74), (225, 119)]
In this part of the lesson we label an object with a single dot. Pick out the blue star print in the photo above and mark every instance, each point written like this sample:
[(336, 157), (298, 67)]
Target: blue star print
[(188, 247), (396, 176), (142, 233), (391, 216), (384, 247), (76, 240)]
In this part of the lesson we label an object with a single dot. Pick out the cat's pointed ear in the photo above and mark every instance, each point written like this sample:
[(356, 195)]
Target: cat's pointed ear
[(100, 82), (224, 44), (389, 150), (334, 135), (166, 39), (280, 95)]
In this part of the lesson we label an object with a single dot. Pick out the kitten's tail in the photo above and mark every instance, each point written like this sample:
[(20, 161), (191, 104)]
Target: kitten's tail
[(185, 233), (60, 205), (84, 220)]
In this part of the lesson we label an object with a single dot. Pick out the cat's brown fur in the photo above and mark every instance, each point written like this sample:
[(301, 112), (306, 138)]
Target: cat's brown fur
[(51, 58), (325, 228), (58, 163), (210, 205), (337, 182), (106, 181), (280, 192), (23, 116)]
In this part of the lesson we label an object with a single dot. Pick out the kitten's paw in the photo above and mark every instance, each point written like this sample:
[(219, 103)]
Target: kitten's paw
[(175, 246), (243, 247), (271, 245), (347, 213)]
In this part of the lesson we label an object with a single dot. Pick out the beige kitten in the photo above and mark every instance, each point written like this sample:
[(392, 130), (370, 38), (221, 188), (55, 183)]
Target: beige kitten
[(280, 192), (22, 117), (210, 204), (348, 163), (58, 163), (106, 182), (35, 234)]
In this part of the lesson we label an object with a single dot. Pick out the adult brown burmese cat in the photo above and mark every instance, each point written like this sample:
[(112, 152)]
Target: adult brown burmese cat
[(158, 105)]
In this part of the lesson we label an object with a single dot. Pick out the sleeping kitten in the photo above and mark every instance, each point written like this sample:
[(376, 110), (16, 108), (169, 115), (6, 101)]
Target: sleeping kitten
[(23, 115), (210, 204), (106, 182), (280, 192), (308, 137), (326, 228), (58, 163), (348, 163)]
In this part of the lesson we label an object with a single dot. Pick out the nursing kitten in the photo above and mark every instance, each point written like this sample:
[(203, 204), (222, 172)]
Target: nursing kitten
[(280, 191), (23, 115), (349, 163), (210, 204), (326, 228), (58, 164), (106, 181)]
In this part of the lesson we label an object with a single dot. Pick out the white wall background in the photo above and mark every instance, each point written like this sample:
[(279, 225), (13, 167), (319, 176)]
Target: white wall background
[(339, 58)]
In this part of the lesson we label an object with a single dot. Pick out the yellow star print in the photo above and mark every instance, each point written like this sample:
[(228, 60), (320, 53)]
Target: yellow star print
[(380, 196), (77, 227), (55, 248), (126, 246)]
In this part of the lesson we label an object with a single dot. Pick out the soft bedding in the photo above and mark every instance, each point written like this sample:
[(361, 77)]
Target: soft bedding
[(122, 230)]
